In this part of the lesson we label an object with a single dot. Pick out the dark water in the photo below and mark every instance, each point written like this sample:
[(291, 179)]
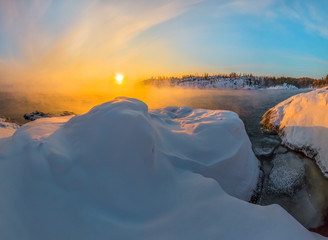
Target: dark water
[(249, 104), (14, 105)]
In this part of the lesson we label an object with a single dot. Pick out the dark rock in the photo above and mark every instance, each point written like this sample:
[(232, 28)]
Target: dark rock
[(266, 146), (35, 115), (38, 114)]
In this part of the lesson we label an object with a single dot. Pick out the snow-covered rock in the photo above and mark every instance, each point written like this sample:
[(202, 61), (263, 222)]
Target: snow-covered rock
[(241, 82), (6, 128), (302, 123), (283, 86), (123, 172), (38, 114), (35, 115)]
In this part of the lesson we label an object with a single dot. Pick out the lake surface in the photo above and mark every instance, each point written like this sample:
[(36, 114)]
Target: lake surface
[(249, 104)]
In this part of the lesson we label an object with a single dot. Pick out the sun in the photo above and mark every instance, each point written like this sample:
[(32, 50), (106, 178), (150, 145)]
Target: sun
[(119, 78)]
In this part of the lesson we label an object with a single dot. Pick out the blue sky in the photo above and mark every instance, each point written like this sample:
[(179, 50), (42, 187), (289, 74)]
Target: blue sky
[(141, 38), (275, 38)]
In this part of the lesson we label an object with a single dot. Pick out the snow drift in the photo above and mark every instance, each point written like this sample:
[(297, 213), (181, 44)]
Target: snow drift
[(302, 123), (123, 172)]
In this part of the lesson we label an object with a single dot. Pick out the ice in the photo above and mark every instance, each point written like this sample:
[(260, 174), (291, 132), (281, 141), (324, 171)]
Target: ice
[(266, 146), (287, 175), (292, 181), (281, 150), (121, 171)]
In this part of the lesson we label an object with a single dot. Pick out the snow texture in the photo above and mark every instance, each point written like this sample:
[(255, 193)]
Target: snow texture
[(6, 128), (123, 172), (302, 123)]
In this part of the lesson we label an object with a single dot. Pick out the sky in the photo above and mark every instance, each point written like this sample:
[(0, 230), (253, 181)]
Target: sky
[(82, 44)]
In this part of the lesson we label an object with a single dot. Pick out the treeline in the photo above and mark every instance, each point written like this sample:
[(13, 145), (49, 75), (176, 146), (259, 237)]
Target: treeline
[(303, 82), (250, 79)]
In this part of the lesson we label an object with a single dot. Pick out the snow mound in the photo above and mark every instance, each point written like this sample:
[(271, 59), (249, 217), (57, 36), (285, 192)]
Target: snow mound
[(212, 143), (302, 123), (6, 128), (123, 172)]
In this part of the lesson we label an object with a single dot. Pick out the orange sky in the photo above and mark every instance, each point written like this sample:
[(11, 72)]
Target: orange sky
[(96, 44), (58, 45)]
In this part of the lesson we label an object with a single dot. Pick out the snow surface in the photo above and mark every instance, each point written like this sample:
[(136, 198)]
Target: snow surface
[(302, 123), (6, 128), (123, 172)]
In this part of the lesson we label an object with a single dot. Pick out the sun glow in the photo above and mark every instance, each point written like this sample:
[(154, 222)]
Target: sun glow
[(119, 78)]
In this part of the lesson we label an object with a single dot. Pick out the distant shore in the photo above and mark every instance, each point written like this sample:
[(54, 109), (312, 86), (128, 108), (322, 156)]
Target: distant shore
[(236, 81)]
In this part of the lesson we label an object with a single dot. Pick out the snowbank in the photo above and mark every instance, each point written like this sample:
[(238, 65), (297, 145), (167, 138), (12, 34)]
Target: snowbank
[(123, 172), (302, 123), (6, 128)]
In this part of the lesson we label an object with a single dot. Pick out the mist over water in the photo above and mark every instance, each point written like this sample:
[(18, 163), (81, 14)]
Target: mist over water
[(249, 104)]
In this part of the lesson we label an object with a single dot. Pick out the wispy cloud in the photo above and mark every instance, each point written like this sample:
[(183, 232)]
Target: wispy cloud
[(250, 7), (312, 14), (88, 45)]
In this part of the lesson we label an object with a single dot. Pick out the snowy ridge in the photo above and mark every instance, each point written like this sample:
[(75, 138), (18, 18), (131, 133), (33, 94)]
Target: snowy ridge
[(208, 82), (121, 171), (302, 123)]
